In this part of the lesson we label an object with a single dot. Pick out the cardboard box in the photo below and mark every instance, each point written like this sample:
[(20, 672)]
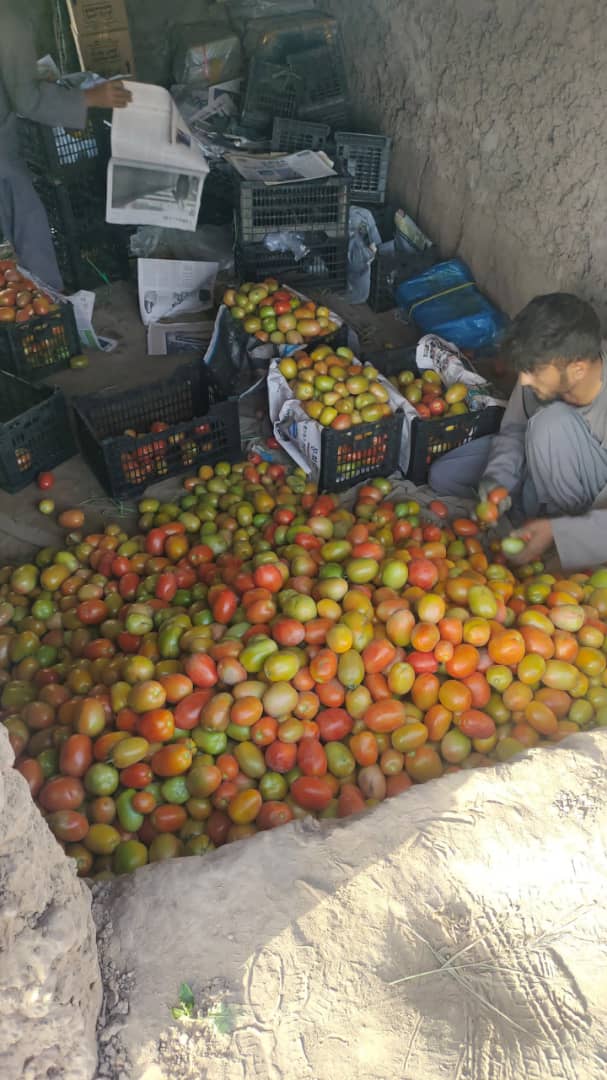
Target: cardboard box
[(97, 16), (107, 54)]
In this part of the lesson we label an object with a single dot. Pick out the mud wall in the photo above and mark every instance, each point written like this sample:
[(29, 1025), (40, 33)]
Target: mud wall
[(498, 113)]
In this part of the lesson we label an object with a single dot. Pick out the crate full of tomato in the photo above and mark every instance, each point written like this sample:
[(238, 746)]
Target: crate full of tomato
[(137, 437), (341, 421), (446, 404), (37, 336)]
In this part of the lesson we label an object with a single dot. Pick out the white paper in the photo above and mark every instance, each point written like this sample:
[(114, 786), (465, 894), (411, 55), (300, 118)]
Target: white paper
[(166, 339), (169, 288), (282, 168), (157, 171)]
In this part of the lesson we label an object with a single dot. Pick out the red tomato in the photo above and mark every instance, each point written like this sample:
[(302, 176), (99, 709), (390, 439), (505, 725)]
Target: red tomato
[(171, 760), (351, 801), (31, 770), (385, 715), (269, 576), (168, 818), (157, 725), (334, 724), (62, 793), (76, 755), (311, 758), (92, 612), (187, 712), (136, 776), (273, 814), (166, 587), (45, 481), (202, 669), (223, 607), (311, 792), (281, 757)]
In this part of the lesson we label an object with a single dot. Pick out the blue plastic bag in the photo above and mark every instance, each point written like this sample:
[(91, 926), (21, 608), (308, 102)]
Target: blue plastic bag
[(446, 301)]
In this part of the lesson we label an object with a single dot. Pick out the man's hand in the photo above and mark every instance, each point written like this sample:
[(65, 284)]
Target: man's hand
[(487, 485), (108, 95), (538, 538)]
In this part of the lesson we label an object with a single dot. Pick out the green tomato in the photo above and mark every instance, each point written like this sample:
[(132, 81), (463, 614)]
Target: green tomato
[(128, 856), (339, 759), (130, 819), (273, 787), (175, 790), (210, 742), (101, 779)]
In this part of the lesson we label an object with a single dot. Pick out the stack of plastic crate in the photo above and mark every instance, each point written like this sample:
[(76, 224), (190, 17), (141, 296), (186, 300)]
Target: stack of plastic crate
[(68, 169)]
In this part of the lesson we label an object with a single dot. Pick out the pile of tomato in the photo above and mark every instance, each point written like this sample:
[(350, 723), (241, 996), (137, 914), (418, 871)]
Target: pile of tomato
[(257, 653)]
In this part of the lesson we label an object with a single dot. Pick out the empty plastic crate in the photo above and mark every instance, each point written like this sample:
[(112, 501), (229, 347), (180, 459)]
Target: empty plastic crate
[(311, 206), (323, 85), (325, 266), (277, 36), (271, 91), (36, 349), (89, 251), (59, 152), (288, 136), (367, 160), (35, 432), (429, 439), (203, 428)]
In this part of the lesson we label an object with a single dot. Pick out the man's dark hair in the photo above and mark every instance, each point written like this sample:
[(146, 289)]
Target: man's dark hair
[(553, 329)]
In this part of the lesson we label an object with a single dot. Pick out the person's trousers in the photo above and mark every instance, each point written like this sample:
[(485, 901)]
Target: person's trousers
[(23, 221), (565, 466)]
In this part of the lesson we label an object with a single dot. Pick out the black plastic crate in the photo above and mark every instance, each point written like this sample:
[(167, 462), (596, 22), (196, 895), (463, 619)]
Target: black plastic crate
[(365, 451), (326, 264), (432, 438), (203, 428), (388, 270), (271, 91), (323, 85), (35, 432), (289, 136), (367, 159), (36, 349), (62, 153), (311, 206), (89, 252)]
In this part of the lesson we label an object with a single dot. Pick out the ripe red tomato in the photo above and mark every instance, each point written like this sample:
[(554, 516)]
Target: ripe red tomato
[(311, 792), (45, 481), (76, 755), (166, 587), (273, 814), (334, 724)]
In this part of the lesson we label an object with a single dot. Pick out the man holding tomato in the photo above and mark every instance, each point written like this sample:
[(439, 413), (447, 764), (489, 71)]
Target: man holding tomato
[(551, 451), (23, 219)]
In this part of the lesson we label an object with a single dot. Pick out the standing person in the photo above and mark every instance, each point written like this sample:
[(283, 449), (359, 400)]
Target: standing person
[(23, 219), (551, 451)]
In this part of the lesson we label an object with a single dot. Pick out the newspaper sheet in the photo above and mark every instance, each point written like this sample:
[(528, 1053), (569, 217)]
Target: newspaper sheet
[(283, 169), (168, 289), (157, 171), (169, 338)]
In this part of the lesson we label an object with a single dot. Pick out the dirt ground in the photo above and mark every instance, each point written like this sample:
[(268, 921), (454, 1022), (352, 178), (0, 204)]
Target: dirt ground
[(457, 932)]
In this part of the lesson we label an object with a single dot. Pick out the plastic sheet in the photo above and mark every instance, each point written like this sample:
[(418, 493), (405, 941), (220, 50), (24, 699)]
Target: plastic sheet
[(446, 301), (364, 242), (211, 243), (202, 59)]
